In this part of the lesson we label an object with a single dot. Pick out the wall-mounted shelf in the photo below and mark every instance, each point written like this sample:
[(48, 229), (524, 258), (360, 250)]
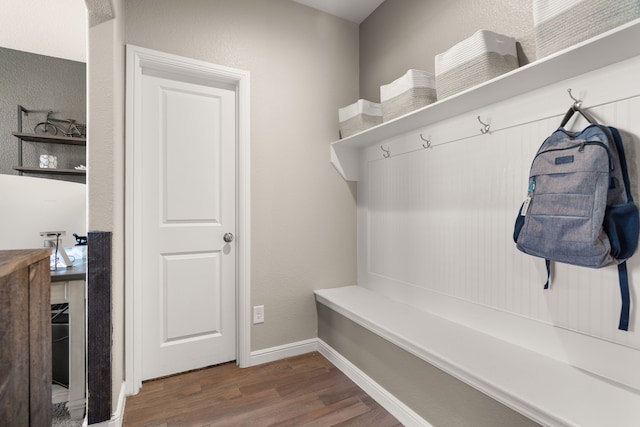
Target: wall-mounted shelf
[(608, 48), (67, 140), (50, 171), (45, 139)]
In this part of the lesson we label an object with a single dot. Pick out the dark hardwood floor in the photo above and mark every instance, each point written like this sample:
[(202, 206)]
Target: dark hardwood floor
[(305, 390)]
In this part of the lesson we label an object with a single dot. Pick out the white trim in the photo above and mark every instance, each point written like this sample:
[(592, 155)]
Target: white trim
[(243, 220), (272, 354), (388, 401), (118, 416), (137, 59)]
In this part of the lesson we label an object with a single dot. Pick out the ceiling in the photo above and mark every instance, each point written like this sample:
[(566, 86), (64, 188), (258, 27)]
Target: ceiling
[(351, 10), (59, 28), (53, 28)]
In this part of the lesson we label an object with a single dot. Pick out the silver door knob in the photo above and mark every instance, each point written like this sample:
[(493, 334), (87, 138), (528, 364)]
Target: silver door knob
[(228, 237)]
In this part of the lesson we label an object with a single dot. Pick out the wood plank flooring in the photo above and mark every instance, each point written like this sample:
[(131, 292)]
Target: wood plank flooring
[(305, 390)]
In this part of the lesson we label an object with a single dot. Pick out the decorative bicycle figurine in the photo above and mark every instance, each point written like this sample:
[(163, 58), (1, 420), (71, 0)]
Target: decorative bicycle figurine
[(67, 127)]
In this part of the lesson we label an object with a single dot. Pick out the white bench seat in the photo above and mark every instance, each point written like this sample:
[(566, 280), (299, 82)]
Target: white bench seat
[(546, 390)]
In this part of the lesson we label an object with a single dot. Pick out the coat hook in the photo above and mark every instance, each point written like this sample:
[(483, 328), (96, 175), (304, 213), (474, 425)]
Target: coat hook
[(386, 152), (427, 142), (485, 128), (577, 103)]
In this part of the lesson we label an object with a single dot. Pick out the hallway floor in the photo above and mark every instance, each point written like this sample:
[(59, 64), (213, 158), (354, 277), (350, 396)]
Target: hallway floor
[(305, 390)]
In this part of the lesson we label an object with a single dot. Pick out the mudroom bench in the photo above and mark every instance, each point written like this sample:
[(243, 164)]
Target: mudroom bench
[(447, 311), (546, 390)]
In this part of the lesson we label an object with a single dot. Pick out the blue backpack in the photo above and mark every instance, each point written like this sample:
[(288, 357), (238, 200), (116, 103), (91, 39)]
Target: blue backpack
[(579, 209)]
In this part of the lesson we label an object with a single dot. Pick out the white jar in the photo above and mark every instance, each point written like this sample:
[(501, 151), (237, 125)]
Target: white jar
[(48, 161)]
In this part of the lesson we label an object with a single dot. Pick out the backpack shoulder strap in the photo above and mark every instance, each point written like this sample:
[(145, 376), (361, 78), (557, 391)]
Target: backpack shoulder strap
[(547, 263), (623, 161), (623, 278)]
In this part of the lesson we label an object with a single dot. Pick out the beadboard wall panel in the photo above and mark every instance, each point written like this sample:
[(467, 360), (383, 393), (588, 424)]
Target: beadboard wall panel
[(435, 225)]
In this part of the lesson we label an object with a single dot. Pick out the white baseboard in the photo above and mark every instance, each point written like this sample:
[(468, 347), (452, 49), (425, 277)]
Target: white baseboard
[(395, 407), (272, 354), (117, 417)]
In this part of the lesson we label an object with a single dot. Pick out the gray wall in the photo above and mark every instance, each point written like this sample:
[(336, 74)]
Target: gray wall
[(404, 34), (436, 396), (304, 66), (39, 82)]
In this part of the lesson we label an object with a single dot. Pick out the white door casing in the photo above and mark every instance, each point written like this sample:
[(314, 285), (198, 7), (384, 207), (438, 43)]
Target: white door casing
[(177, 307)]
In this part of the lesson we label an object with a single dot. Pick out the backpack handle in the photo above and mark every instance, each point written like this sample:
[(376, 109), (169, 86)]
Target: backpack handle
[(575, 109)]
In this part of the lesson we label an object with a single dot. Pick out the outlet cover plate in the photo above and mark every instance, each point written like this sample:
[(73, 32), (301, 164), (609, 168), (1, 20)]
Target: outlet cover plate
[(258, 314)]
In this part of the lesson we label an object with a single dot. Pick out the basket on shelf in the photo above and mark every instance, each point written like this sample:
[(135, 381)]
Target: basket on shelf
[(479, 58), (415, 89), (358, 116), (560, 24)]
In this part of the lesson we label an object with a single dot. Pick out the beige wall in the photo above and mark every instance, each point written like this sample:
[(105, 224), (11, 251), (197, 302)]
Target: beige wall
[(303, 66), (404, 34), (105, 155)]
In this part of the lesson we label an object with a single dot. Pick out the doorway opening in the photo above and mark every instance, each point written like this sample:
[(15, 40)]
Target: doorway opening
[(143, 63)]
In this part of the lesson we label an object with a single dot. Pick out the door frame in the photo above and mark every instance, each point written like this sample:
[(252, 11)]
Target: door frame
[(138, 60)]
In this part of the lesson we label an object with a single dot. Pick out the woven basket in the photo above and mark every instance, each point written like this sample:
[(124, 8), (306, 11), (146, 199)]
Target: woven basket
[(415, 89), (359, 116), (560, 24), (479, 58)]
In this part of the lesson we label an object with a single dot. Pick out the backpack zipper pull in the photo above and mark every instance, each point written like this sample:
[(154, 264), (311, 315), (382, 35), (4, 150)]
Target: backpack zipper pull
[(532, 187), (581, 149), (527, 202)]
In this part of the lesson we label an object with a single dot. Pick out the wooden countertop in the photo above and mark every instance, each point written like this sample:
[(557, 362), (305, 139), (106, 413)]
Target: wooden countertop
[(78, 271), (12, 260)]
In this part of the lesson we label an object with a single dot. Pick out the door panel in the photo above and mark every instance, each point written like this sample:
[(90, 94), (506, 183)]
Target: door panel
[(188, 204), (191, 305), (192, 139)]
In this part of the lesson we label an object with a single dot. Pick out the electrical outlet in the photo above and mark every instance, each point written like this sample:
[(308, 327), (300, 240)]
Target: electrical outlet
[(52, 233), (258, 314)]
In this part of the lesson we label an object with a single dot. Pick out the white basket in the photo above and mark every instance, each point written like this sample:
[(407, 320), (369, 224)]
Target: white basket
[(415, 89), (359, 116), (479, 58), (560, 24)]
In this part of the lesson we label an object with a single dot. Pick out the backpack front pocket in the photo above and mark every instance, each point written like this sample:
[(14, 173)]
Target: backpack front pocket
[(565, 226), (563, 217)]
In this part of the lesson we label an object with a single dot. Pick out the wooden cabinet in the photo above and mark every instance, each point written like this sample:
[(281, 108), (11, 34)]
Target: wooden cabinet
[(68, 286), (25, 338)]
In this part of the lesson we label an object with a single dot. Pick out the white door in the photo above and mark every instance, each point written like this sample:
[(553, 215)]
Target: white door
[(188, 137)]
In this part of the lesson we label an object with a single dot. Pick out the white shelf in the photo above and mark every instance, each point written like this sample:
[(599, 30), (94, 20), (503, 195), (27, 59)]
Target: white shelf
[(608, 48)]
